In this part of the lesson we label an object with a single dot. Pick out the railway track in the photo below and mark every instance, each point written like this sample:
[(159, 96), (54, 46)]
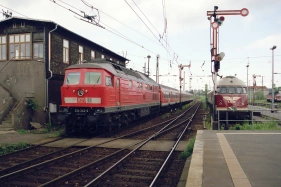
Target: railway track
[(95, 164)]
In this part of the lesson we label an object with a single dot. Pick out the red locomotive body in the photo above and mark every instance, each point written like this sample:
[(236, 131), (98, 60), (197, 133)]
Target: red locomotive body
[(231, 99), (106, 95)]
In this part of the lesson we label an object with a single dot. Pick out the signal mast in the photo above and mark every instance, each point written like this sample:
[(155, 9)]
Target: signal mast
[(215, 23)]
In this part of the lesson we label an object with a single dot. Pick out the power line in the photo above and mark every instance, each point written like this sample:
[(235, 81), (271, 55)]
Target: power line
[(145, 17)]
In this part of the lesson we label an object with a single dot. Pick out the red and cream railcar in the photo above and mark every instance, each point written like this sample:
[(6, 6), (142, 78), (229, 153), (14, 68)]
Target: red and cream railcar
[(231, 98), (104, 94)]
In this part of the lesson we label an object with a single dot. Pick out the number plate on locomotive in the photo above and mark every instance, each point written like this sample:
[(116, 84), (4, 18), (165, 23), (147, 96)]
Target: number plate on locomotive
[(81, 110)]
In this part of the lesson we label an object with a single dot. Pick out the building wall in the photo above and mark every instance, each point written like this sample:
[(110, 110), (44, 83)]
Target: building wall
[(24, 79)]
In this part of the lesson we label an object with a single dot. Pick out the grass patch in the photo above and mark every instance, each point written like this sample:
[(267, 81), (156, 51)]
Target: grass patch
[(257, 126), (9, 148), (189, 149), (22, 131)]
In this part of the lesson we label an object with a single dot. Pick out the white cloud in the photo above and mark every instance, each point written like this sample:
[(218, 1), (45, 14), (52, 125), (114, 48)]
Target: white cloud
[(266, 42)]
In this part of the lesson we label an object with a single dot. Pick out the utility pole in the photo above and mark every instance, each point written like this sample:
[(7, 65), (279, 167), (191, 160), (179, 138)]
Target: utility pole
[(180, 69), (148, 57), (184, 81), (157, 69)]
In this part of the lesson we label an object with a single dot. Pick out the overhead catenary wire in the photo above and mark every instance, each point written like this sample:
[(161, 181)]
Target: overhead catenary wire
[(113, 31), (14, 11), (165, 26), (146, 26), (116, 32)]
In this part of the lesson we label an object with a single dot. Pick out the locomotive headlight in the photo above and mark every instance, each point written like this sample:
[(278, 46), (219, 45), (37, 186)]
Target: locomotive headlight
[(80, 92)]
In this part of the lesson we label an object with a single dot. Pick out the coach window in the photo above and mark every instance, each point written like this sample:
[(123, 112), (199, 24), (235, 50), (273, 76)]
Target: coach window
[(72, 78), (130, 84), (117, 82), (92, 78), (65, 51), (3, 48), (140, 86), (19, 46), (108, 81)]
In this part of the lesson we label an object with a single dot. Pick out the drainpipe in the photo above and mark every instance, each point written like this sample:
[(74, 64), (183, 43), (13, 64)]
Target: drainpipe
[(49, 70)]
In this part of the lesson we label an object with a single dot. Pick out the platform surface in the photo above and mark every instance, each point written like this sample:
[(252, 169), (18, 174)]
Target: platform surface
[(236, 158)]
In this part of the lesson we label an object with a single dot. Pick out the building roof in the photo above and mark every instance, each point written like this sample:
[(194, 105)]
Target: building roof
[(52, 25)]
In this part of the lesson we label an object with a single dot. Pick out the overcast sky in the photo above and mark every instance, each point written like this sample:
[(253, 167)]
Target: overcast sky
[(187, 35)]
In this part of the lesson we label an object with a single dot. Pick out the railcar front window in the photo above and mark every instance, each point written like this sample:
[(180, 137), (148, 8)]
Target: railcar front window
[(223, 90), (92, 78), (72, 78), (244, 90), (231, 90), (239, 90)]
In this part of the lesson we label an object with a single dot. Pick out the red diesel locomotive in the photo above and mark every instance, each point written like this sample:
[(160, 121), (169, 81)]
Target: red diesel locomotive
[(231, 99), (104, 95)]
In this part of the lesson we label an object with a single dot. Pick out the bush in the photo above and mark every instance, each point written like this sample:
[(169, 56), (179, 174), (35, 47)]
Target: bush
[(5, 149), (189, 149), (32, 104), (257, 126)]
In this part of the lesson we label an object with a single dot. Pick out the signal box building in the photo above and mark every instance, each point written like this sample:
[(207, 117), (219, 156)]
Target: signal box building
[(33, 57)]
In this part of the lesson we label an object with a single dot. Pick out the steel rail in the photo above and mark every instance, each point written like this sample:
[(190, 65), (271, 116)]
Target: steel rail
[(102, 175), (172, 150), (43, 164)]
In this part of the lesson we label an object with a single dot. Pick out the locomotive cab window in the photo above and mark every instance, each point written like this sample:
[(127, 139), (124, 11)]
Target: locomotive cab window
[(108, 81), (72, 78), (93, 78)]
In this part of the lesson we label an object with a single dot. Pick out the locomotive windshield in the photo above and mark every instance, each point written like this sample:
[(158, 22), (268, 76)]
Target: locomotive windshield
[(72, 78), (232, 90), (92, 78)]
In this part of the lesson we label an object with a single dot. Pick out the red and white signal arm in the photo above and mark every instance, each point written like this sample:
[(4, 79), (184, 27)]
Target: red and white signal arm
[(215, 25), (244, 12)]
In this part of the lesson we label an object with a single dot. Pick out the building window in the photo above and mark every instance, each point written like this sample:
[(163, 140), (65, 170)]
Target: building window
[(93, 55), (66, 51), (102, 56), (38, 50), (80, 53), (3, 48), (19, 46)]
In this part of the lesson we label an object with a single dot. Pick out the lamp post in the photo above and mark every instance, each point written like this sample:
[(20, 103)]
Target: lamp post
[(148, 57), (272, 88)]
